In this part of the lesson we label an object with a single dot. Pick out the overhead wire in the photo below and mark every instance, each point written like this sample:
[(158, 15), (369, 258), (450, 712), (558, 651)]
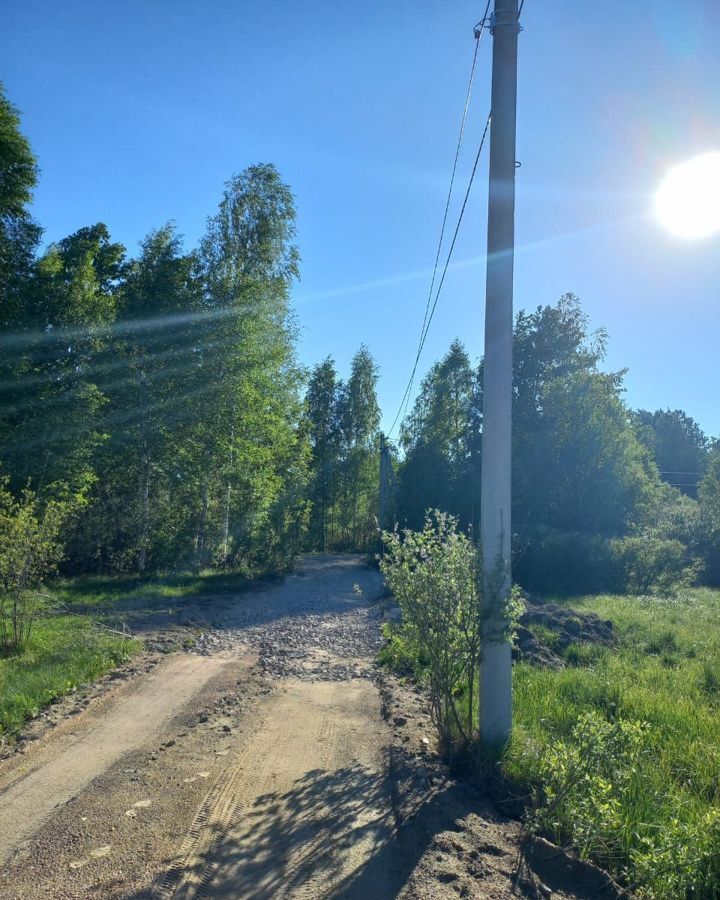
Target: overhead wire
[(479, 30), (430, 309), (404, 402)]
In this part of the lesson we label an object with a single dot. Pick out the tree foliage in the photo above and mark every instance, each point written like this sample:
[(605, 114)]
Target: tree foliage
[(160, 396), (590, 511), (161, 393), (19, 234), (678, 445), (342, 425)]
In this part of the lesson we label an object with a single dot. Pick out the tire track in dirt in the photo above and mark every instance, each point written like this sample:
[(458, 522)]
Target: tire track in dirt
[(302, 810), (32, 787)]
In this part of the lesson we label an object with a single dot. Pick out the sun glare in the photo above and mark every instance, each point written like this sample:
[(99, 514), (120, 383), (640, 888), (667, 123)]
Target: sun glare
[(688, 200)]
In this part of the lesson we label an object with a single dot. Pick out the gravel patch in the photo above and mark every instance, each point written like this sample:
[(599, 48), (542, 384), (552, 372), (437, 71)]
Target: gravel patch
[(301, 631), (326, 646)]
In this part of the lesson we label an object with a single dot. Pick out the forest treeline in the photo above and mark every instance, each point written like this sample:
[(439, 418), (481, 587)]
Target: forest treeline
[(154, 416), (595, 506), (152, 408)]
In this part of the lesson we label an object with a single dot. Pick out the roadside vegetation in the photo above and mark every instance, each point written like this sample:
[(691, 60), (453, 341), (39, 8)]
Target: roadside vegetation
[(105, 593), (619, 751), (616, 747), (63, 653)]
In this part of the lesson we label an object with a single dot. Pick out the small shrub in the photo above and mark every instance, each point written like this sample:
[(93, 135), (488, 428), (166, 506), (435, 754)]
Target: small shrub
[(557, 562), (651, 564), (572, 563), (30, 550), (681, 860), (586, 785), (436, 579)]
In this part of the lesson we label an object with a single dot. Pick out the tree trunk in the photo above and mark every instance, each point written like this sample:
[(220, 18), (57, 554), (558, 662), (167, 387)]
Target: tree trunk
[(144, 507), (228, 492), (202, 525)]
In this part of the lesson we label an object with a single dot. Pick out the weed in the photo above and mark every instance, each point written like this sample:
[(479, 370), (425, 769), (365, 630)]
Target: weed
[(710, 680), (618, 753)]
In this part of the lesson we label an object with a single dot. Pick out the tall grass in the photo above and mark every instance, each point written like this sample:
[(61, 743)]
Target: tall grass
[(64, 652), (651, 814), (618, 753)]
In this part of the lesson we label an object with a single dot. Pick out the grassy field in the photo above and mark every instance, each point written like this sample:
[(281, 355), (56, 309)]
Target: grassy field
[(63, 653), (620, 750)]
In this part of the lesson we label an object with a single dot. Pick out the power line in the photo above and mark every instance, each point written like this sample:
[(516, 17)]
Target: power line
[(428, 314), (479, 28), (426, 327), (457, 227), (427, 319)]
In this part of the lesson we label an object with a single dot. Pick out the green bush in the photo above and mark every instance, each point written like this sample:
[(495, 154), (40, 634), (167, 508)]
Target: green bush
[(655, 826), (647, 564), (436, 579), (571, 563), (681, 860), (594, 790), (585, 784), (558, 562), (30, 549)]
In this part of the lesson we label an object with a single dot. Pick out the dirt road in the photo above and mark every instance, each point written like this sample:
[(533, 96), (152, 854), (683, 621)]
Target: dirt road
[(272, 761)]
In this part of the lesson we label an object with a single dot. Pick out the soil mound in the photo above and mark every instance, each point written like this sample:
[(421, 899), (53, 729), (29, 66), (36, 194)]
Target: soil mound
[(547, 629)]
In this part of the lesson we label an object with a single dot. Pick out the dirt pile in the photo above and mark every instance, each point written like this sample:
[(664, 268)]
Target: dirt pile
[(546, 630)]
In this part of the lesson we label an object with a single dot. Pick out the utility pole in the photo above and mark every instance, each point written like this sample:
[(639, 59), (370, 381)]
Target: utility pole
[(382, 512), (495, 533), (388, 486)]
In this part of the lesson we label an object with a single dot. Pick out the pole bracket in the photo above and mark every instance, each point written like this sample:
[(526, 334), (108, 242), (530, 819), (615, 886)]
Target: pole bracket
[(504, 17)]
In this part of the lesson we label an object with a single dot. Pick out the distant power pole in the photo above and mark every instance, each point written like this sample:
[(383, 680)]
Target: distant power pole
[(496, 667), (387, 486), (382, 511)]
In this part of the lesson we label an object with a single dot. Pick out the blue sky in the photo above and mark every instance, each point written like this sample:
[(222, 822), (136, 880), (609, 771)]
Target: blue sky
[(139, 111)]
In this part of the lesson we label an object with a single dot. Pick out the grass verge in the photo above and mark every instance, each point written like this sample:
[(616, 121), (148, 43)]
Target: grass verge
[(63, 653), (107, 591), (67, 649), (618, 753)]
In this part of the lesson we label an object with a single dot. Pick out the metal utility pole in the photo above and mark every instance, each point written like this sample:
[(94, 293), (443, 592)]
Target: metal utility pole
[(496, 667)]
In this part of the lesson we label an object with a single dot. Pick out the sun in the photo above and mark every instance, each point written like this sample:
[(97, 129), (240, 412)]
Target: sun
[(688, 200)]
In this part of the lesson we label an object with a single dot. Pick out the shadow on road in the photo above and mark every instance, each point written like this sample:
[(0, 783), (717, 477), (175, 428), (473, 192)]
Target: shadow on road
[(322, 583), (334, 835)]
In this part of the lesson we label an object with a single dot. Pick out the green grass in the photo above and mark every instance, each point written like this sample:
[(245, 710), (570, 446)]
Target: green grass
[(107, 591), (64, 652), (67, 650), (618, 753), (648, 805)]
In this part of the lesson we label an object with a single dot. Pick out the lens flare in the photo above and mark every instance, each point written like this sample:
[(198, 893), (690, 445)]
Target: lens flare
[(688, 200)]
